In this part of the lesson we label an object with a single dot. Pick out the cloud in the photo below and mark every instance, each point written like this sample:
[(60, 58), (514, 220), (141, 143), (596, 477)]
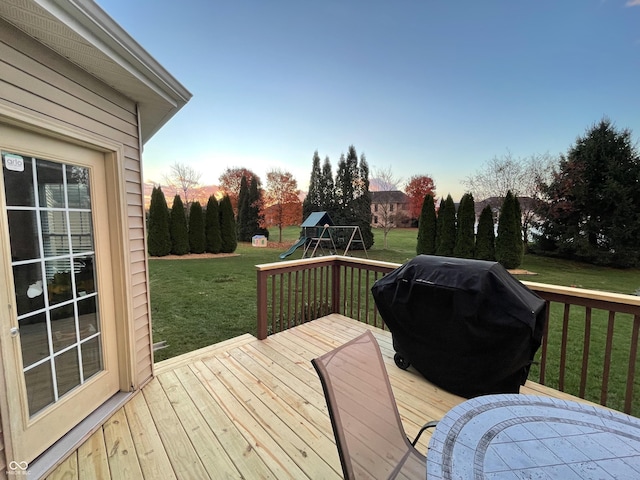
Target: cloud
[(633, 3)]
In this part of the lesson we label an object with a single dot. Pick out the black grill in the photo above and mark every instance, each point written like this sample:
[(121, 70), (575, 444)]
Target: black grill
[(468, 326)]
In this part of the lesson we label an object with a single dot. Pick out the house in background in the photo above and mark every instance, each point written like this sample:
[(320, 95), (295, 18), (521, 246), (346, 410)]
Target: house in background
[(78, 100), (390, 209)]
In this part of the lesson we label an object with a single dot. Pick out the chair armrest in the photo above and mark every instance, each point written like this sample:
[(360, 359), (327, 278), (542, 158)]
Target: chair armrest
[(430, 424)]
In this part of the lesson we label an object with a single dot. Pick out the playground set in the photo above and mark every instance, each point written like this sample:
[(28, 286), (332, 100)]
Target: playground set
[(320, 237)]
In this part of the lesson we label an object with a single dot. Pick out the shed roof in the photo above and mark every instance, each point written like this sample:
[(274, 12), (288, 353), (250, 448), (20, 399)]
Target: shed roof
[(87, 36), (317, 219)]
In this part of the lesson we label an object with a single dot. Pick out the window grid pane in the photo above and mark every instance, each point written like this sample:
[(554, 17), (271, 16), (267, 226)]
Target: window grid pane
[(51, 232)]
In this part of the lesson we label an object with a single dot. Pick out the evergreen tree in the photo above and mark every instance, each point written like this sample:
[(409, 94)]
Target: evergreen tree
[(327, 189), (518, 220), (313, 201), (352, 200), (447, 239), (439, 220), (255, 216), (243, 211), (196, 228), (228, 241), (593, 208), (427, 227), (343, 193), (486, 237), (465, 235), (159, 237), (509, 240), (362, 210), (212, 226), (178, 228)]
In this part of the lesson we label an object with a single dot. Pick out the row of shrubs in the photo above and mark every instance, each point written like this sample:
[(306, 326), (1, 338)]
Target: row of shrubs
[(451, 235), (168, 232)]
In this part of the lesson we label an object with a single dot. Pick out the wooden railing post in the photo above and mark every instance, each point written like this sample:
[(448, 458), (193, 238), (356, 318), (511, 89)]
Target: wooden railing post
[(335, 287), (262, 304)]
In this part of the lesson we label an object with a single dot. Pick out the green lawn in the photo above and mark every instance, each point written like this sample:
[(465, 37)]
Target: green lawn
[(197, 302)]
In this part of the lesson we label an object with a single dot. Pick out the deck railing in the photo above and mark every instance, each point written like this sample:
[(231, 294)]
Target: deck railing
[(589, 349)]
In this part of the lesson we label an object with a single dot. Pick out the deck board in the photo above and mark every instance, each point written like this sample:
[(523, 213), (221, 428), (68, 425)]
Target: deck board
[(247, 408), (154, 461), (92, 457)]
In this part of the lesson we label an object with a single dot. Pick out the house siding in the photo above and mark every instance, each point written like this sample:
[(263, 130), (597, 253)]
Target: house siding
[(38, 81), (3, 457)]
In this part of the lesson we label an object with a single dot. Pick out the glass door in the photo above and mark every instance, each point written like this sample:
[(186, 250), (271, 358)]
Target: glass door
[(60, 295), (52, 258)]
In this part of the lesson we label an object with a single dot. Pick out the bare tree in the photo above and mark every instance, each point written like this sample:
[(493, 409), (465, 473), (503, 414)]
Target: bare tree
[(386, 202), (524, 177), (182, 179)]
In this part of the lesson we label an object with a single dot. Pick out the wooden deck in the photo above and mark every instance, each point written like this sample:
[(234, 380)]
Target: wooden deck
[(245, 408)]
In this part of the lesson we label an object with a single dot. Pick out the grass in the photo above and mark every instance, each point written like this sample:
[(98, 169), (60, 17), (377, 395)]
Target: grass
[(197, 302)]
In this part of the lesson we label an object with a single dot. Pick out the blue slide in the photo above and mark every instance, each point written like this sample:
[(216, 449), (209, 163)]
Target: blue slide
[(301, 241)]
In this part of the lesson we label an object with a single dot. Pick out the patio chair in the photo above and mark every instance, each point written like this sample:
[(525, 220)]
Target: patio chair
[(369, 434)]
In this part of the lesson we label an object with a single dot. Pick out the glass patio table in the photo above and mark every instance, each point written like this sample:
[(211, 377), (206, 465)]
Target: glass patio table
[(513, 436)]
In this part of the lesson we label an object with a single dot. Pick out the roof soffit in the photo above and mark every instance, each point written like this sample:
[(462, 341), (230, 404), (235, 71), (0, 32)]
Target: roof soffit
[(84, 34)]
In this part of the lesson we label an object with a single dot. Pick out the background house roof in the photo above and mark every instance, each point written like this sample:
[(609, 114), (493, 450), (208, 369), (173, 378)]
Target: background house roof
[(389, 196), (86, 35)]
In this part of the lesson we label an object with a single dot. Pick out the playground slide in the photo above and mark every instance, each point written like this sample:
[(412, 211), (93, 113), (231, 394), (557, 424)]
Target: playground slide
[(293, 248)]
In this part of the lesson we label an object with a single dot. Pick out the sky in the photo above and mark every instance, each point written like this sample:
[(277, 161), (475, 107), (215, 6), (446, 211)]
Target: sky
[(422, 87)]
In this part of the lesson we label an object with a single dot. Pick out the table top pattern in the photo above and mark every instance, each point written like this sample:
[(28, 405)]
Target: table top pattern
[(515, 436)]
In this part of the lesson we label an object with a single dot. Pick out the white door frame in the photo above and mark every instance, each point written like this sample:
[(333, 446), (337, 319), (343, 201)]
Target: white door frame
[(118, 238)]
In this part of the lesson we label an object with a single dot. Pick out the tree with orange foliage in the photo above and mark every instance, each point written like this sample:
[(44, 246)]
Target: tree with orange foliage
[(230, 183), (283, 203), (418, 187)]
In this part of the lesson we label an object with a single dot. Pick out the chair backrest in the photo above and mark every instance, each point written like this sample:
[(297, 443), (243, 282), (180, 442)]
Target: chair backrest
[(367, 426)]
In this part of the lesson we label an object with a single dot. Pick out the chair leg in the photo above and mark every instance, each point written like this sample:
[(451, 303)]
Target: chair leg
[(431, 424)]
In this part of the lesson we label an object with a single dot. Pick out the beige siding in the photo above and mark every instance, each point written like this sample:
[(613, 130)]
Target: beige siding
[(36, 80), (3, 457)]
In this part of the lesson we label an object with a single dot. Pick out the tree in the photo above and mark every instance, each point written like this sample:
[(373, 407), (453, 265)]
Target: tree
[(352, 200), (524, 177), (418, 187), (255, 220), (282, 196), (313, 200), (386, 208), (178, 228), (363, 203), (196, 228), (327, 201), (182, 180), (228, 241), (158, 237), (242, 217), (592, 211), (465, 234), (343, 189), (212, 226), (509, 240), (230, 183), (427, 228), (447, 228), (486, 237)]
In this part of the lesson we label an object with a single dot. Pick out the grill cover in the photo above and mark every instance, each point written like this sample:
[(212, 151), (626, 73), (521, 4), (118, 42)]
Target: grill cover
[(467, 326)]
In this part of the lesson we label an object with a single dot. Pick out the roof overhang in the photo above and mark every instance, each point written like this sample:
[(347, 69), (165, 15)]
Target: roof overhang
[(87, 36)]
